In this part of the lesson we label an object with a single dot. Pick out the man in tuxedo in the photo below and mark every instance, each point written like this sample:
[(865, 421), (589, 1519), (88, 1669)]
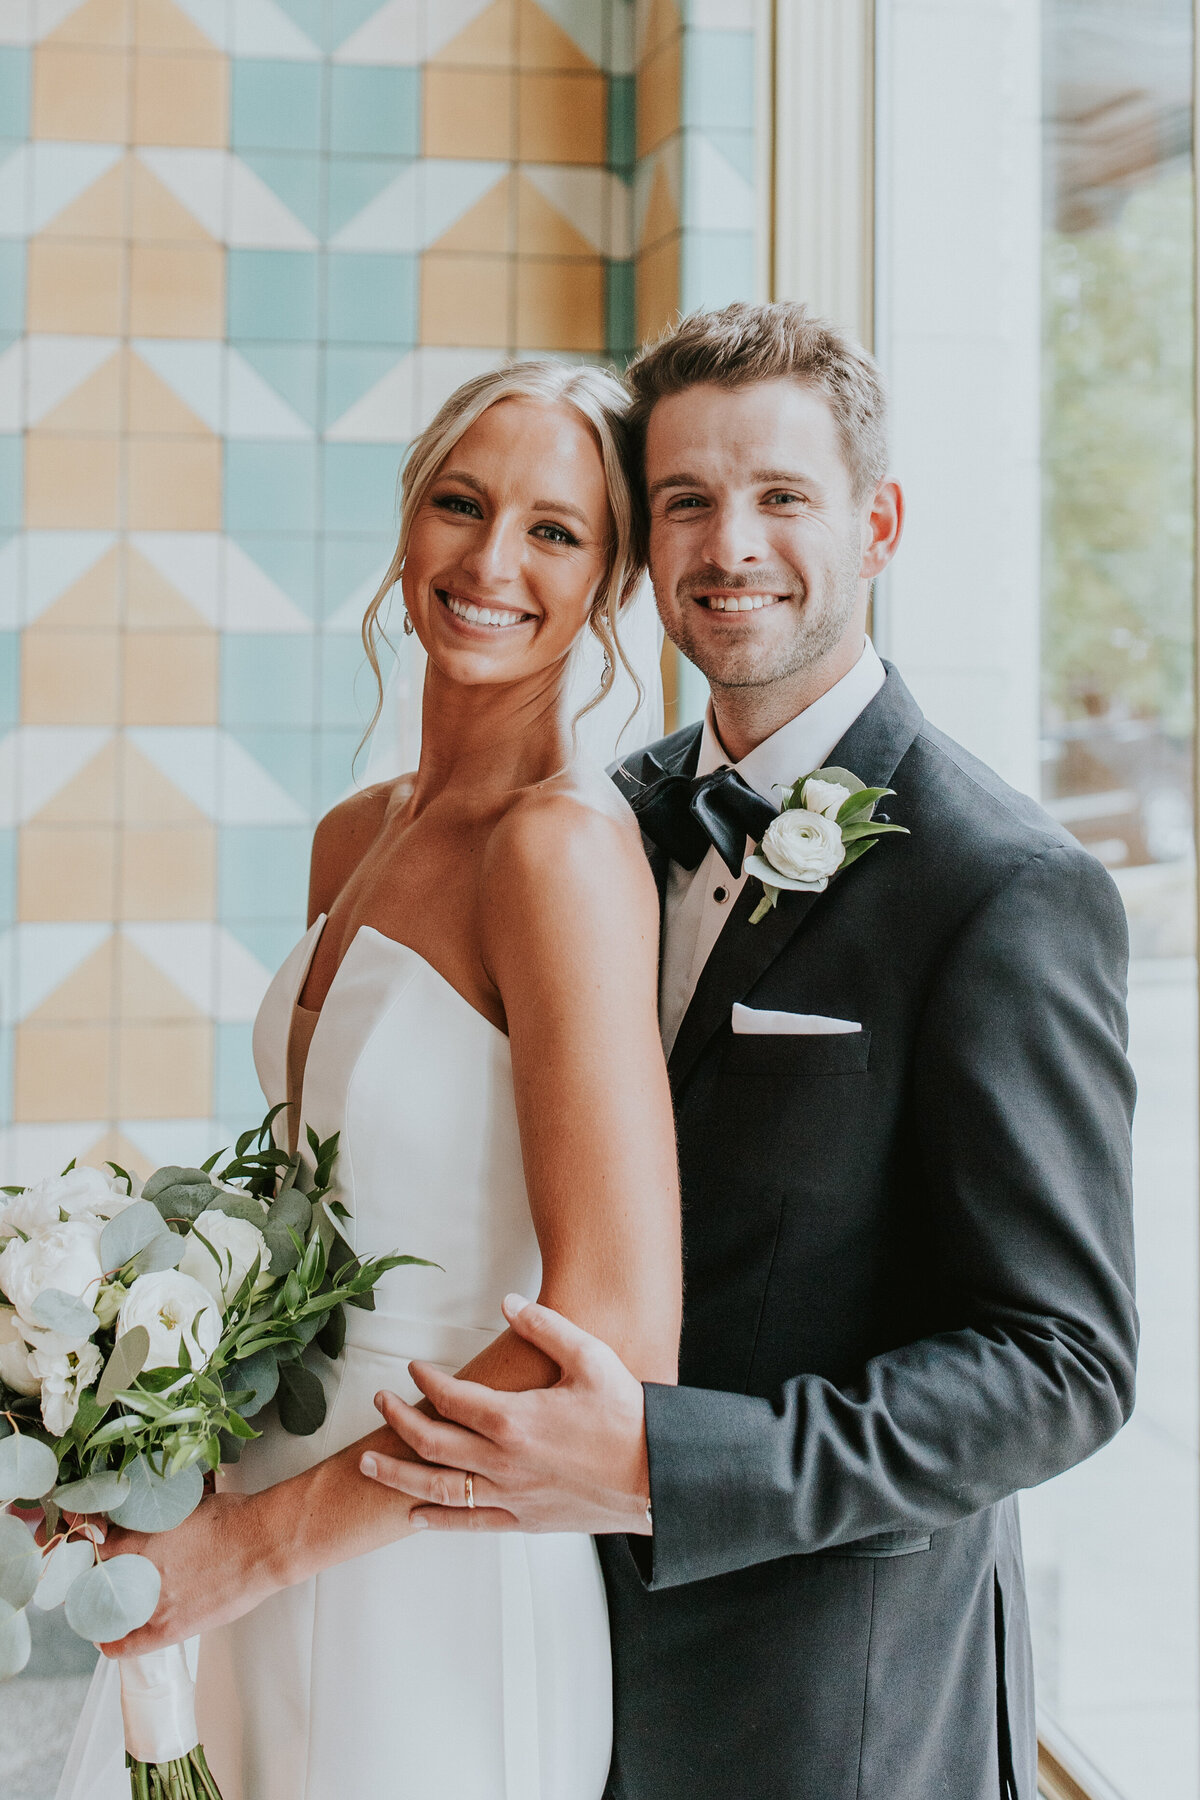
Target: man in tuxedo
[(904, 1110)]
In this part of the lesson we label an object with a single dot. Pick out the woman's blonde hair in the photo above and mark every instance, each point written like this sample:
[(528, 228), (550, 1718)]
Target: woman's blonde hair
[(601, 401)]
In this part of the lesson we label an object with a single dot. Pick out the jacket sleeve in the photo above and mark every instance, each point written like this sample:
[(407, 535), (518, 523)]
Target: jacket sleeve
[(1021, 1103)]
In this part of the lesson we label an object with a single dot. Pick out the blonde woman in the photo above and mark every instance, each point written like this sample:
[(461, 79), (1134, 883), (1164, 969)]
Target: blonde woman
[(474, 1009)]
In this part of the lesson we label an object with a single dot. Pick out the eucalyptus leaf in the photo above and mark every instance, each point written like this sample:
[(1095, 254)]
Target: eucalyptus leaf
[(130, 1231), (285, 1253), (180, 1193), (157, 1502), (64, 1313), (291, 1208), (28, 1468), (61, 1569), (113, 1598), (15, 1642), (165, 1252), (259, 1373), (238, 1206), (94, 1494), (124, 1365), (20, 1561), (301, 1399)]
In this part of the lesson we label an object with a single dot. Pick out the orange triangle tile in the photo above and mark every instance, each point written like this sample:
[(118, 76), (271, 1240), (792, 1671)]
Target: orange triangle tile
[(662, 215), (156, 215), (108, 22), (88, 994), (95, 405), (157, 25), (155, 408), (485, 227), (543, 44), (148, 798), (144, 992), (90, 798), (541, 228), (101, 211), (488, 42), (90, 603), (152, 604), (663, 19), (115, 1147)]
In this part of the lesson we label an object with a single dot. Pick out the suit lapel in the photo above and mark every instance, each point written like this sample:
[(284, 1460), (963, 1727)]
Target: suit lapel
[(872, 748)]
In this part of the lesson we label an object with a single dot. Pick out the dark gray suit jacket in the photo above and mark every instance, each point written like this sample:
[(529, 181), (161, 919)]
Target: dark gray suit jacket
[(909, 1276)]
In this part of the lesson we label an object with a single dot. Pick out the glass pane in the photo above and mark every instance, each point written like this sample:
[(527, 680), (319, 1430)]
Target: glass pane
[(1111, 1547)]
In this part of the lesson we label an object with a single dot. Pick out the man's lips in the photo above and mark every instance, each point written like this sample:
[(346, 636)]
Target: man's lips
[(737, 603)]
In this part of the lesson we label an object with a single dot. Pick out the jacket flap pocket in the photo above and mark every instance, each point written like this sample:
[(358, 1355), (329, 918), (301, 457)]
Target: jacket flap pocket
[(844, 1053), (884, 1543)]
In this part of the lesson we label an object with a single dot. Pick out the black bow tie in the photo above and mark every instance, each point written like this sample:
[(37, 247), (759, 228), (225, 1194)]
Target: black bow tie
[(684, 816)]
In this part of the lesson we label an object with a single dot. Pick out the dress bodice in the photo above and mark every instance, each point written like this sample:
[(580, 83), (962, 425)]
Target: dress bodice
[(419, 1086)]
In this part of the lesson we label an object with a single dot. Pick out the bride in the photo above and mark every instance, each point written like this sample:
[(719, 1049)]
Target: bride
[(474, 1009)]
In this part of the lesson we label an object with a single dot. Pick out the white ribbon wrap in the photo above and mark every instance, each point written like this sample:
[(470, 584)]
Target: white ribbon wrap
[(158, 1703)]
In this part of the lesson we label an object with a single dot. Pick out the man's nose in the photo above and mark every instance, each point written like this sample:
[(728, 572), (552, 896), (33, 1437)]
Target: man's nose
[(734, 536)]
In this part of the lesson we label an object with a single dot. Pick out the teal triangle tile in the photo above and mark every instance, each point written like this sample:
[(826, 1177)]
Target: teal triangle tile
[(295, 177), (309, 15), (345, 17), (354, 181), (289, 559), (349, 373), (737, 147), (285, 754), (291, 370)]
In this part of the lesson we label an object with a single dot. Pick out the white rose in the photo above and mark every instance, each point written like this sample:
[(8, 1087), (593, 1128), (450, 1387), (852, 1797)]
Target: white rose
[(803, 845), (16, 1363), (824, 797), (64, 1376), (220, 1253), (175, 1309), (66, 1257), (87, 1192)]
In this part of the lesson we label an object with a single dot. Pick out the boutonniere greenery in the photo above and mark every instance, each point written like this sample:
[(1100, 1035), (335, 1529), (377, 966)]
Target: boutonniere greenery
[(827, 822)]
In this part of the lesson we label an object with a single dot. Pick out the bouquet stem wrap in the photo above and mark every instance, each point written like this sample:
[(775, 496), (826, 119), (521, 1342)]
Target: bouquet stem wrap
[(158, 1703)]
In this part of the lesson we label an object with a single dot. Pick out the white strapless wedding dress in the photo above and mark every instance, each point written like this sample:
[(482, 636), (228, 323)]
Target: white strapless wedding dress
[(443, 1667)]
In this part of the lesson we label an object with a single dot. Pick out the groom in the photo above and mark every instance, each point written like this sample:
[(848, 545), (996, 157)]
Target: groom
[(903, 1109)]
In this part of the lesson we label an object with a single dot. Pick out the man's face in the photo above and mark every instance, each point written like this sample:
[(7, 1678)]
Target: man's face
[(758, 549)]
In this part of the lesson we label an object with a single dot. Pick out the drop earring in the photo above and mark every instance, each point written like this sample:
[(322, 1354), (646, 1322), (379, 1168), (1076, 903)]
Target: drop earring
[(409, 627)]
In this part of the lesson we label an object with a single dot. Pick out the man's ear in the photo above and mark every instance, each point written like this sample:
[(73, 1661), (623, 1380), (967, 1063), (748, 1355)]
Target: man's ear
[(885, 523)]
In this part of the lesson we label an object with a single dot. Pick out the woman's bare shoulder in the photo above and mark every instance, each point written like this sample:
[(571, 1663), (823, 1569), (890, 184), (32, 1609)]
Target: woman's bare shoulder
[(346, 833)]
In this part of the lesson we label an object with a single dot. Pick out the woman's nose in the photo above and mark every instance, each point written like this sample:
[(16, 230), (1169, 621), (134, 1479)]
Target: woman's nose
[(494, 554)]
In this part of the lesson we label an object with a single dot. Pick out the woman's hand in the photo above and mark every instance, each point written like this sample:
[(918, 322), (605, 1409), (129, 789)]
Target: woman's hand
[(216, 1566)]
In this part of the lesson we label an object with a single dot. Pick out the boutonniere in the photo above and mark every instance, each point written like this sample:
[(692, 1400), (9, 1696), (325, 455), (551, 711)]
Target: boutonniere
[(827, 822)]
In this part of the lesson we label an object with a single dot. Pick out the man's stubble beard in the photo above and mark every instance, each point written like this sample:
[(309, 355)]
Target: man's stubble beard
[(749, 664)]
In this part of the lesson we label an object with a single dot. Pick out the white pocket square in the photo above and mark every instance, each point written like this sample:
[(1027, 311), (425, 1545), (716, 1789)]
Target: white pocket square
[(748, 1021)]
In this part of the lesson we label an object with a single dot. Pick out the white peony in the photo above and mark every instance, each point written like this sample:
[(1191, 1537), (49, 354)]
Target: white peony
[(64, 1375), (805, 846), (175, 1309), (824, 796), (86, 1192), (16, 1363), (66, 1257), (220, 1253)]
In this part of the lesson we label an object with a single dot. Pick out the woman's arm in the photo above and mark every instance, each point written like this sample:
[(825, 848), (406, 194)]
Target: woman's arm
[(570, 939)]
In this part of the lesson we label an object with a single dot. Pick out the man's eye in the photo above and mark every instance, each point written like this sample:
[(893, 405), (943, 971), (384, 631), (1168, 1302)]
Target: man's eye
[(685, 503), (555, 534), (783, 498)]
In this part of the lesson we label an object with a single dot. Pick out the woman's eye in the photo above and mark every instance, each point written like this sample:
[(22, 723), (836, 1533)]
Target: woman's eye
[(459, 503), (554, 534)]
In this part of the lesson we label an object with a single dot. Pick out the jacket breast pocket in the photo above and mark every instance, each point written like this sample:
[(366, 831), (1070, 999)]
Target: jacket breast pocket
[(841, 1053)]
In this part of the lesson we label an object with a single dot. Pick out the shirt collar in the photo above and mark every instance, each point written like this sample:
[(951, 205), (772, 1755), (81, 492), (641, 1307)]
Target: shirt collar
[(801, 745)]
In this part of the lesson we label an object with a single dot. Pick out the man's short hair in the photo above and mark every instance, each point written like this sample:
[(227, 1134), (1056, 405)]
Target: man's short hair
[(744, 343)]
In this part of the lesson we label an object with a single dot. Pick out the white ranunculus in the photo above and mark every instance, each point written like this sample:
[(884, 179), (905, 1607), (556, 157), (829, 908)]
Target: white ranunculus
[(175, 1309), (65, 1256), (806, 846), (64, 1376), (80, 1192), (16, 1363), (824, 796), (220, 1253)]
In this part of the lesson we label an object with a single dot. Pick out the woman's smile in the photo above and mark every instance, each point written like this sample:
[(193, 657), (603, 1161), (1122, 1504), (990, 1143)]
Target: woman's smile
[(481, 613)]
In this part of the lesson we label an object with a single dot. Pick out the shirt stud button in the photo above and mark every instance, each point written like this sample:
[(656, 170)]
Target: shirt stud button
[(721, 894)]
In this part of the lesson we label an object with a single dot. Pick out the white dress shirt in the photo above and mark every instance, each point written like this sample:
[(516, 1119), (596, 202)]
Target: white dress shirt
[(699, 900)]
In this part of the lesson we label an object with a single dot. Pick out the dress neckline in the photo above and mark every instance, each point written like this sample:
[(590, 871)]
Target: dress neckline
[(315, 1012)]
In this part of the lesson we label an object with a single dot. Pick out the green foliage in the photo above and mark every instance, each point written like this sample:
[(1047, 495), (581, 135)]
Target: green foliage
[(1118, 447)]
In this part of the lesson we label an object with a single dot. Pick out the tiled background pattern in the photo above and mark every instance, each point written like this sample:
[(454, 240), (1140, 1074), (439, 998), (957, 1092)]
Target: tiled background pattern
[(246, 247)]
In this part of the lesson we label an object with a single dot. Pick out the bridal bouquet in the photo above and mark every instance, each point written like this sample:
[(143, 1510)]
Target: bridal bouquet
[(141, 1329)]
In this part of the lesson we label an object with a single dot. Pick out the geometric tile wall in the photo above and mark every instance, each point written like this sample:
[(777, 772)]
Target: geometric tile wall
[(246, 248)]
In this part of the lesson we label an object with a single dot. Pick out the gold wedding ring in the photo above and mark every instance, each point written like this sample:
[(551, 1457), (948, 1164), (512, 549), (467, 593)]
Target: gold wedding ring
[(471, 1492)]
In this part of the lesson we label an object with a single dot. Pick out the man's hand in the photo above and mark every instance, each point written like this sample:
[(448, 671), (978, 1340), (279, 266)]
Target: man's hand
[(571, 1457)]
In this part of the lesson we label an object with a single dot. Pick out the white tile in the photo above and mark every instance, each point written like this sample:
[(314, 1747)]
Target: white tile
[(41, 957), (258, 218), (58, 174), (254, 409), (394, 34), (592, 200), (207, 964), (55, 559), (197, 179), (37, 760), (716, 197), (217, 775), (56, 365), (384, 414), (27, 1152)]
